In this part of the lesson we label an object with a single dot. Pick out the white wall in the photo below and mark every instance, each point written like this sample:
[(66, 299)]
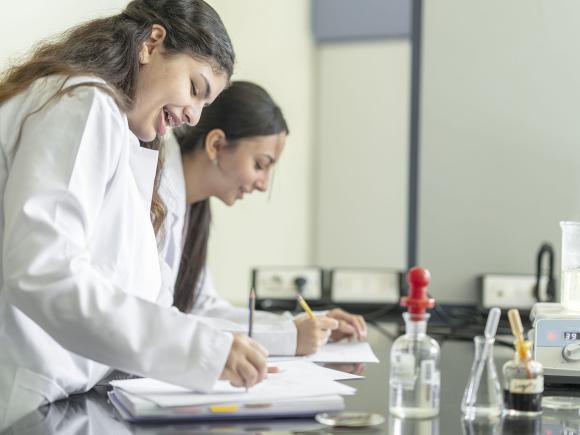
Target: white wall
[(500, 137), (26, 23), (274, 48), (363, 93)]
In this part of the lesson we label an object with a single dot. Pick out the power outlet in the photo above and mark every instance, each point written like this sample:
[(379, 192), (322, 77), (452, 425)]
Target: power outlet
[(280, 282), (366, 286), (511, 291)]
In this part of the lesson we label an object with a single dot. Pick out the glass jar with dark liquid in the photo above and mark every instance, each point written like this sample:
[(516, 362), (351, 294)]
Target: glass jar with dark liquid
[(523, 384)]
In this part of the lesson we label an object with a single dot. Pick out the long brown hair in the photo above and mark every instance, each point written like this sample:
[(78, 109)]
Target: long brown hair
[(243, 110), (108, 48)]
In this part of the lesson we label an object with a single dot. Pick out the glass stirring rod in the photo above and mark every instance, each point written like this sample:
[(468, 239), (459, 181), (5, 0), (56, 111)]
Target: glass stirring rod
[(490, 331)]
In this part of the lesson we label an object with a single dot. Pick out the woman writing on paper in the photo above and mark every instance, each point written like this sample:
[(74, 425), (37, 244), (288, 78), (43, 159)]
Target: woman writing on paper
[(229, 153), (80, 268)]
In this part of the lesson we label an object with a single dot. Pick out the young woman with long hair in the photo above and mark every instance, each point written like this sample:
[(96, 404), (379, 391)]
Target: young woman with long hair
[(229, 153), (80, 122)]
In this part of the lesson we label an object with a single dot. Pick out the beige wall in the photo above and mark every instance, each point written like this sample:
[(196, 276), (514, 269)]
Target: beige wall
[(362, 148), (274, 48), (340, 193), (26, 23)]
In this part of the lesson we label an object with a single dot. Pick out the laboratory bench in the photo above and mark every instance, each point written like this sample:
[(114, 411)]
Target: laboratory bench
[(91, 413)]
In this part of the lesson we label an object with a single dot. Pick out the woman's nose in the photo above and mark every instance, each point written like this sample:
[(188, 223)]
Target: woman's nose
[(262, 183), (191, 116)]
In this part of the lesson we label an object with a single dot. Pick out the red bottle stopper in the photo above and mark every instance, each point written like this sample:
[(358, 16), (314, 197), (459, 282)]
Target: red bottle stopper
[(417, 300)]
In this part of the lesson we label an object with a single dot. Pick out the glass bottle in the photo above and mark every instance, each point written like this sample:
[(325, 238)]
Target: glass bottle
[(523, 384), (414, 373), (482, 398), (413, 426)]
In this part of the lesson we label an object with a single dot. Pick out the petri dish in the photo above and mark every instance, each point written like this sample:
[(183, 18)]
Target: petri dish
[(561, 403), (349, 419)]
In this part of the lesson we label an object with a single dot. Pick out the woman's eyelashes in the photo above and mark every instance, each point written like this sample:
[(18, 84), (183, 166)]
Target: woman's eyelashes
[(264, 163), (195, 92), (261, 166)]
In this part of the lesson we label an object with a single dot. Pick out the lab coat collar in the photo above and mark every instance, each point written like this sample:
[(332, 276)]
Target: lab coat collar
[(143, 163), (173, 184)]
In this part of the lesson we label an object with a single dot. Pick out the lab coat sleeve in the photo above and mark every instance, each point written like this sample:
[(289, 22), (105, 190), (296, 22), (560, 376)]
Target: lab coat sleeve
[(276, 332), (67, 155)]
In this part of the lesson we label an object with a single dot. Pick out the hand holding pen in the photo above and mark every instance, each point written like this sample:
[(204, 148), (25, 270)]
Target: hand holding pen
[(312, 331), (246, 363)]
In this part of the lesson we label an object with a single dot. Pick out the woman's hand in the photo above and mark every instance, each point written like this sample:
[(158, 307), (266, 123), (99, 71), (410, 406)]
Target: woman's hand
[(313, 333), (246, 363), (349, 325)]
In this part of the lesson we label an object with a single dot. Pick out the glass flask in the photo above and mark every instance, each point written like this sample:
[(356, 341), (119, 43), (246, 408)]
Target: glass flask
[(482, 426), (414, 381), (523, 384), (482, 398), (570, 283)]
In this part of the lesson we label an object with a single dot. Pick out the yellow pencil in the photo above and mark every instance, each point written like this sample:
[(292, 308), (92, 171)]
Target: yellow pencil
[(305, 307)]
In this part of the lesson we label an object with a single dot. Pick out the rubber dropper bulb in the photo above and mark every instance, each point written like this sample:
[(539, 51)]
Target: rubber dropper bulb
[(417, 300)]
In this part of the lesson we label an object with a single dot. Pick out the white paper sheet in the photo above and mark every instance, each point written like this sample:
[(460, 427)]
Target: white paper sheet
[(345, 352), (308, 370), (340, 352)]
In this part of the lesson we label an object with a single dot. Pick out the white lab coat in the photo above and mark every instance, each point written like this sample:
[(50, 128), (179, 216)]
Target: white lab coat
[(80, 268), (275, 332)]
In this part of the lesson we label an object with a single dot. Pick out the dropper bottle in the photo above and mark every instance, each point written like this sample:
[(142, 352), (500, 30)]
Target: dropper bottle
[(414, 382), (523, 377)]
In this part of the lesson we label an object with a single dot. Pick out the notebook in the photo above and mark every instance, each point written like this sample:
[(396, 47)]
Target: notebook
[(300, 389), (136, 409)]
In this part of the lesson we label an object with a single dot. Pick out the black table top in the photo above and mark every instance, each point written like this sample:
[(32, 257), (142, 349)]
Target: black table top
[(92, 413)]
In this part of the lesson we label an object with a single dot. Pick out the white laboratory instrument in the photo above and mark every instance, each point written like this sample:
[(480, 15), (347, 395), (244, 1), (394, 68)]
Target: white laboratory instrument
[(556, 326), (556, 338)]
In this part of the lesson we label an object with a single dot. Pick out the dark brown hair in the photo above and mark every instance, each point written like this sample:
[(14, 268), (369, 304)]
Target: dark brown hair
[(243, 110), (108, 48)]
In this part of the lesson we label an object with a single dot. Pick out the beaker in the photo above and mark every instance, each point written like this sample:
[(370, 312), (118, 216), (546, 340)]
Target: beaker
[(482, 398), (570, 287)]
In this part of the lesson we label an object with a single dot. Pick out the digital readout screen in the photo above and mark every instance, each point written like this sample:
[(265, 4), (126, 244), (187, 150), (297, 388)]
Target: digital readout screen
[(571, 335)]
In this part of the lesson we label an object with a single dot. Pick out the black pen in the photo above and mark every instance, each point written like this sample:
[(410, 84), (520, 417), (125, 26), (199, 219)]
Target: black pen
[(251, 309)]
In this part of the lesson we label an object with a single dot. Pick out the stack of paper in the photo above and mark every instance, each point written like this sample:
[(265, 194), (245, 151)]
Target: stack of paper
[(300, 389)]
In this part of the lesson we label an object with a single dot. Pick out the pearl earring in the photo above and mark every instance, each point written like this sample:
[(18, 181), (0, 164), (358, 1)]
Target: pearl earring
[(215, 162)]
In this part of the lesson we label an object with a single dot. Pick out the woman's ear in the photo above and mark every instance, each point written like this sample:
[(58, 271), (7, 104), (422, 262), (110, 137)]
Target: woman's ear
[(154, 42), (215, 141)]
